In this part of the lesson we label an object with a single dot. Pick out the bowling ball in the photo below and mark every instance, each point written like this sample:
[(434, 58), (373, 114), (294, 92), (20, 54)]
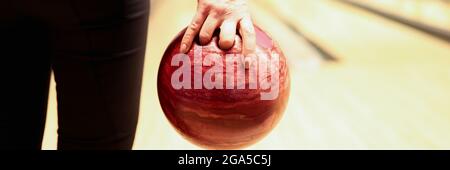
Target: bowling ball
[(230, 113)]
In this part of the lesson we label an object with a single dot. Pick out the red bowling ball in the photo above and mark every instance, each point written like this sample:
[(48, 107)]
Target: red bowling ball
[(213, 101)]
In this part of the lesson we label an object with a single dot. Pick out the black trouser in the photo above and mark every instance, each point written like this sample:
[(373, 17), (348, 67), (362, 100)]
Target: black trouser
[(96, 50)]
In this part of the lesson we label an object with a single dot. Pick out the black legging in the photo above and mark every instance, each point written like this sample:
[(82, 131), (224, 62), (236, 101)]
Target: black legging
[(96, 50)]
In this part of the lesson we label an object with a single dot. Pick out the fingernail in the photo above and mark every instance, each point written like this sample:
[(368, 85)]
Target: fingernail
[(183, 48)]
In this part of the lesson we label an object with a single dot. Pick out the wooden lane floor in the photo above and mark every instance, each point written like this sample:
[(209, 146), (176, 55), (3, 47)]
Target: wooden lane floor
[(388, 90), (435, 13)]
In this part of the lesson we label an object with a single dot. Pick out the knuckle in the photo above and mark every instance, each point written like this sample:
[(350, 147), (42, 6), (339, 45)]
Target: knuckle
[(216, 15), (207, 3), (186, 38), (194, 26), (222, 10), (248, 31)]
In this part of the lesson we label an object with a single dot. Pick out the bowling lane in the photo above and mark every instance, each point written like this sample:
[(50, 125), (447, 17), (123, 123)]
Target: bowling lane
[(388, 89), (435, 13), (342, 29)]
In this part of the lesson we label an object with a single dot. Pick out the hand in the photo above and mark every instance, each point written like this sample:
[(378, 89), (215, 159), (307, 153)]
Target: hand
[(229, 16)]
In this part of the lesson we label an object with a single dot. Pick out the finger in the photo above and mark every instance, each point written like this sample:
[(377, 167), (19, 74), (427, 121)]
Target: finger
[(227, 34), (247, 31), (208, 28), (192, 30)]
